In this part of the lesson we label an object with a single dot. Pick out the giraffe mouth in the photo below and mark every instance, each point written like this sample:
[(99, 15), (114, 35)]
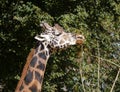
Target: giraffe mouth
[(79, 42)]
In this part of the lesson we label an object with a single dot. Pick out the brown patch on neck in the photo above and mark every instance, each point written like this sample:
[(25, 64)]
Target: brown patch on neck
[(29, 58)]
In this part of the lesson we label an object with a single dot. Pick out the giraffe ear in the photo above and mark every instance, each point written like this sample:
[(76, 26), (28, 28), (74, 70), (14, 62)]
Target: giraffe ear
[(45, 26), (58, 27), (39, 38)]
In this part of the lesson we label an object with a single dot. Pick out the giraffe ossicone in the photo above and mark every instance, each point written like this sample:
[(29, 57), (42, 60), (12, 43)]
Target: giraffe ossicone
[(34, 69)]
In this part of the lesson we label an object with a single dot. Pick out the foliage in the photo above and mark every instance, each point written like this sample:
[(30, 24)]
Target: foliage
[(87, 68)]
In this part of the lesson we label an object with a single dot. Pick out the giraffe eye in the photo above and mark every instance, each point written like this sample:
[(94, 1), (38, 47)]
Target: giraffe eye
[(58, 34)]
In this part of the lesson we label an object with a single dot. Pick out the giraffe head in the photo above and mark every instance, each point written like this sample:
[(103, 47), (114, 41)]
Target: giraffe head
[(56, 37)]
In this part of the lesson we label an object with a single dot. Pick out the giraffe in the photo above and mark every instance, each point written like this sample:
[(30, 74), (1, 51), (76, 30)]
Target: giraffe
[(52, 38)]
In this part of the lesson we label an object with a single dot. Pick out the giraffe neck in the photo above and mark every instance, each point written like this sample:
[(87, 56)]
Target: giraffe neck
[(32, 81)]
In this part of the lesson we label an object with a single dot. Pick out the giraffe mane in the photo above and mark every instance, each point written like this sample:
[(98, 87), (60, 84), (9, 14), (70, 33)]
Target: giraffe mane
[(29, 58)]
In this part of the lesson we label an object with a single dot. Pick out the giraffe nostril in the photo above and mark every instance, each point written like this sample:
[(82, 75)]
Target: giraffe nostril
[(81, 37)]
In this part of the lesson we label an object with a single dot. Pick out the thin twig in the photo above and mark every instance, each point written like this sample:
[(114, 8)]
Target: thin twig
[(80, 67), (98, 67), (107, 61), (115, 80)]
